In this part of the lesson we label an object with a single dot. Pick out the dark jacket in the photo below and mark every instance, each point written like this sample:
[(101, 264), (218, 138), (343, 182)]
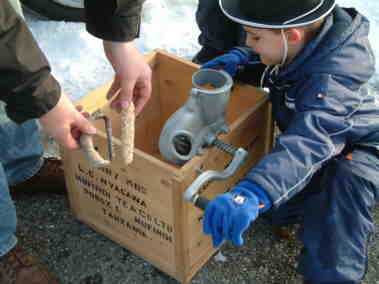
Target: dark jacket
[(26, 84), (217, 31), (321, 105)]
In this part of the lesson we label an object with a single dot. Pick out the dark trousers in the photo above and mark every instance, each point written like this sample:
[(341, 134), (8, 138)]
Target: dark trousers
[(335, 211)]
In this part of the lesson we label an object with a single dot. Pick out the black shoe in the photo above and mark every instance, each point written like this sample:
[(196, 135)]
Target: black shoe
[(50, 178)]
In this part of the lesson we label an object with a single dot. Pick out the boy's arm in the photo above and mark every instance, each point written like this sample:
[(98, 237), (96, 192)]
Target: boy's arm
[(318, 131), (234, 61), (251, 72), (247, 51)]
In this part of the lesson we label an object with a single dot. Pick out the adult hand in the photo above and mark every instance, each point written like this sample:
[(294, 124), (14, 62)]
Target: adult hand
[(133, 76), (65, 123), (229, 215), (230, 62)]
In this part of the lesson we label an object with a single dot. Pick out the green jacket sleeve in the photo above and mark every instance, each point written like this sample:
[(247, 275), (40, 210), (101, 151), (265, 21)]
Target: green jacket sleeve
[(114, 20), (26, 84)]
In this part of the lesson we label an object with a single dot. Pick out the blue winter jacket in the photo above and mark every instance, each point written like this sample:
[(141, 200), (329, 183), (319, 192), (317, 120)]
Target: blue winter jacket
[(321, 105)]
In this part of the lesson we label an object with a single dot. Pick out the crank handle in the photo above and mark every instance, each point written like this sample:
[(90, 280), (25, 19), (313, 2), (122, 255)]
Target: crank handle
[(191, 194), (202, 202), (86, 144)]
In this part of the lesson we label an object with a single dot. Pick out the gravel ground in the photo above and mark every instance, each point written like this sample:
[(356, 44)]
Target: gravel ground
[(79, 255)]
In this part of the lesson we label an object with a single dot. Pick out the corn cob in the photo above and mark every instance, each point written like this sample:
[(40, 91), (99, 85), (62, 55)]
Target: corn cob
[(127, 134)]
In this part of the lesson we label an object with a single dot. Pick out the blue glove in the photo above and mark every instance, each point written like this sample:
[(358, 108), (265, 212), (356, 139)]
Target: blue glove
[(229, 215), (229, 62)]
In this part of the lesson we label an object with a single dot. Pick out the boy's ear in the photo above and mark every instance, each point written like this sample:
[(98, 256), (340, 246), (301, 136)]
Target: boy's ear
[(295, 35)]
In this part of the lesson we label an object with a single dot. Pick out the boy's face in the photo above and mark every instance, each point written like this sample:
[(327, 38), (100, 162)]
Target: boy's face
[(267, 43)]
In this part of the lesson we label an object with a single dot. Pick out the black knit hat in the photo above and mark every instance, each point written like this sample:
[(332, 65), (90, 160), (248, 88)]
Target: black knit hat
[(276, 14)]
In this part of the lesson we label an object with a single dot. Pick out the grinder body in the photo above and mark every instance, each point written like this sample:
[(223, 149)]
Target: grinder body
[(200, 120)]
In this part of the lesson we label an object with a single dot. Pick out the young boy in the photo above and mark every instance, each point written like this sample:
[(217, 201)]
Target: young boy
[(325, 164)]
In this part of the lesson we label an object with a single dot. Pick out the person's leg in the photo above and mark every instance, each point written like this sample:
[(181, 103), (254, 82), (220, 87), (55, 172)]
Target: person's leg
[(20, 158), (7, 216), (15, 265), (21, 148), (338, 221)]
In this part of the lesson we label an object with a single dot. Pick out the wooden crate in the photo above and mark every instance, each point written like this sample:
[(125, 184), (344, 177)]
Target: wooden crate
[(141, 207)]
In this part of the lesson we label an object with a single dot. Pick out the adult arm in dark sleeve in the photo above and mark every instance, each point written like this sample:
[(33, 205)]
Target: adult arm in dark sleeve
[(217, 31), (114, 20), (117, 22), (26, 84)]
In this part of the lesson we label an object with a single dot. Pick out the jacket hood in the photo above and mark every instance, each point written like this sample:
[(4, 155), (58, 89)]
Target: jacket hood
[(341, 48)]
